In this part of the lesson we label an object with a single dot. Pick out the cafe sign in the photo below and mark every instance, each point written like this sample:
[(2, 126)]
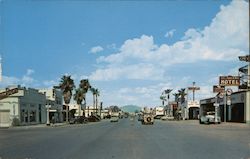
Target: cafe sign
[(229, 80)]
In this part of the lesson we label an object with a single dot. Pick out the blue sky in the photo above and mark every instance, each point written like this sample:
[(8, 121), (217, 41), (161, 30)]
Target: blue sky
[(130, 50)]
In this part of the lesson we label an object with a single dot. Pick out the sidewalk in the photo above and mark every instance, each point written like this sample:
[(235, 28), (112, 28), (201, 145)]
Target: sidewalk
[(38, 126)]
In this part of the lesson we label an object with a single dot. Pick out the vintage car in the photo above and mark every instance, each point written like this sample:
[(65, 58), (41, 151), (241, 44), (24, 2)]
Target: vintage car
[(210, 118)]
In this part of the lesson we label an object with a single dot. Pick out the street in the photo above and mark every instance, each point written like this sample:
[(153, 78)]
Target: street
[(128, 139)]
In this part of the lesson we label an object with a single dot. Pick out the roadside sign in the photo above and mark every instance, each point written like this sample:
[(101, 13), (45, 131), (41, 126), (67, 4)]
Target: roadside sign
[(244, 58), (229, 91), (229, 81), (229, 102), (218, 89), (221, 95)]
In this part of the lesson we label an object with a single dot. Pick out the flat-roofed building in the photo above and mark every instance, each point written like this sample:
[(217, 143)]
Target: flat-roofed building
[(54, 101), (21, 106)]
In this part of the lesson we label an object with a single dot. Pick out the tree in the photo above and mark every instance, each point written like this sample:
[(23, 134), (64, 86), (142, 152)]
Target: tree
[(85, 86), (182, 94), (93, 90), (67, 85), (97, 94), (176, 96), (163, 98), (79, 96)]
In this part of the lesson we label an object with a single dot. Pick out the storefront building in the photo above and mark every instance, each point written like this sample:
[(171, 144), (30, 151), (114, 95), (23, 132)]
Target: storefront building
[(24, 106), (237, 107)]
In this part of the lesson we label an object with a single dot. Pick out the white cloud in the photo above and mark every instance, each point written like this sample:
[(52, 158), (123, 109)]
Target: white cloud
[(224, 39), (170, 33), (96, 49), (137, 71), (30, 72), (141, 96)]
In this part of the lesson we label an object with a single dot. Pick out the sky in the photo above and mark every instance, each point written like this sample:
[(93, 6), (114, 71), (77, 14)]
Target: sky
[(130, 50)]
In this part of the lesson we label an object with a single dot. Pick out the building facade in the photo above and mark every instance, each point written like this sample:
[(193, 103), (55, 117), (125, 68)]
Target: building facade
[(26, 106), (233, 108), (54, 103)]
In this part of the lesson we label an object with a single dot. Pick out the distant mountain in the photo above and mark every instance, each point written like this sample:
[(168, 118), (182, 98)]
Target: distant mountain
[(130, 108)]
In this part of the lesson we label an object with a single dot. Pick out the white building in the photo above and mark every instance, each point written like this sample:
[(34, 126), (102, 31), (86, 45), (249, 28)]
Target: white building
[(54, 100), (21, 106), (190, 109)]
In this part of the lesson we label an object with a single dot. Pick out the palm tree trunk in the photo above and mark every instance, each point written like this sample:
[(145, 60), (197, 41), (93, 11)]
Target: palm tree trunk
[(93, 102), (67, 113), (96, 102), (79, 109)]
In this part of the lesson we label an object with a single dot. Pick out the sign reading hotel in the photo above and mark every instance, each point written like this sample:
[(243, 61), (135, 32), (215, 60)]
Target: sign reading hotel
[(229, 80)]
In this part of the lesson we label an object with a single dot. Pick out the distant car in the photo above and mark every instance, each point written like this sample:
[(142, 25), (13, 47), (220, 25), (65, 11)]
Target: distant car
[(114, 119), (209, 118), (78, 120)]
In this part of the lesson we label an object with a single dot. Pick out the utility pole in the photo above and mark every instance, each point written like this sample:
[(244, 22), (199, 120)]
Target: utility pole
[(194, 88)]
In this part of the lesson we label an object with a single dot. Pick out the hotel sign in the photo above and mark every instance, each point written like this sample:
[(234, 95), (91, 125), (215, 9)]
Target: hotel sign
[(229, 80)]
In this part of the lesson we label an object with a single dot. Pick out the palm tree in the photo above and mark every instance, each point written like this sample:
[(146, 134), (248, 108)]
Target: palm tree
[(79, 96), (97, 94), (182, 94), (163, 98), (85, 86), (176, 96), (67, 85)]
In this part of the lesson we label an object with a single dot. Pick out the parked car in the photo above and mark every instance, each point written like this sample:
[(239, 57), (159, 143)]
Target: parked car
[(114, 119), (78, 120), (209, 118)]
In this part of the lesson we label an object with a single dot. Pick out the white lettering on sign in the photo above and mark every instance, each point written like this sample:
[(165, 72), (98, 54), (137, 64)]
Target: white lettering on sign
[(229, 80)]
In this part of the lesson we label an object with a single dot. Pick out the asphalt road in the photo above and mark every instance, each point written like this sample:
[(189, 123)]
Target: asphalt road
[(128, 140)]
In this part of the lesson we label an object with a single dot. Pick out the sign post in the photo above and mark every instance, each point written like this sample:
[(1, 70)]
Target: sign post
[(228, 81)]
